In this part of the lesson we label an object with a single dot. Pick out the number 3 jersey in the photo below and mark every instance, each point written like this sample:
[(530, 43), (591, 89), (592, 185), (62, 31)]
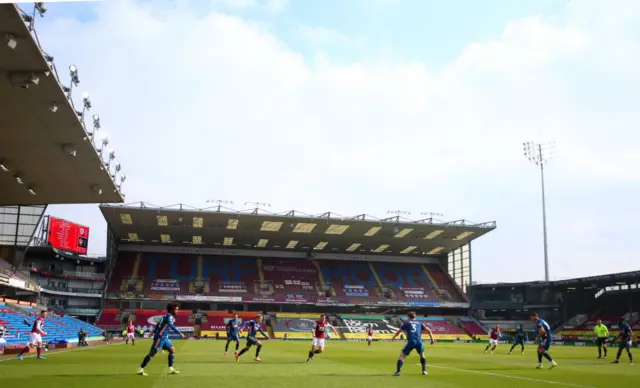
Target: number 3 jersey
[(414, 330)]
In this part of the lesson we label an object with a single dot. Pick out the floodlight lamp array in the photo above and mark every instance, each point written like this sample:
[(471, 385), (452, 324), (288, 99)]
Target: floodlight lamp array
[(18, 176), (538, 153), (27, 80)]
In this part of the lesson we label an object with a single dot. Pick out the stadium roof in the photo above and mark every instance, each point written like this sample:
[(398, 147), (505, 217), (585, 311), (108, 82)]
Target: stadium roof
[(39, 129), (288, 231), (596, 281), (18, 223)]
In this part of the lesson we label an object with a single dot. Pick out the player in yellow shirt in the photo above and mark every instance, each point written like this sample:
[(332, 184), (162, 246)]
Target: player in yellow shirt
[(602, 334)]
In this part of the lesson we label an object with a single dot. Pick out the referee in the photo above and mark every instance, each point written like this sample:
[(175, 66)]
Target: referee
[(602, 333)]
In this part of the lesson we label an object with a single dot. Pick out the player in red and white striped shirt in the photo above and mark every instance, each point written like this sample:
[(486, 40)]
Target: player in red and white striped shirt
[(35, 337)]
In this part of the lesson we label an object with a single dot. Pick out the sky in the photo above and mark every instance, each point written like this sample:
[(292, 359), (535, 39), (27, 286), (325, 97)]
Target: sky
[(365, 106)]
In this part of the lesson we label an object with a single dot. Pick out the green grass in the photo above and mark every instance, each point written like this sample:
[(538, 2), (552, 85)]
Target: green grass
[(343, 364)]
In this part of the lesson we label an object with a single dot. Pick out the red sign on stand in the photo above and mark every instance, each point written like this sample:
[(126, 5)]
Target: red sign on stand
[(68, 236)]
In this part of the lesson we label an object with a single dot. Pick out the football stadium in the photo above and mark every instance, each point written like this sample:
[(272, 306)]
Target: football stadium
[(97, 316)]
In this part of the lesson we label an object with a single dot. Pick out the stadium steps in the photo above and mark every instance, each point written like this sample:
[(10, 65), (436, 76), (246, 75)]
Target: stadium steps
[(375, 275), (199, 269), (434, 285), (319, 272), (21, 309), (468, 332), (479, 324), (455, 285), (260, 270), (136, 265), (575, 321)]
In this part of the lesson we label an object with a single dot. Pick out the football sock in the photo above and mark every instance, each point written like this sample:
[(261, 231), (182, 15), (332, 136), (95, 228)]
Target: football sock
[(258, 350), (170, 359), (423, 362), (547, 356), (146, 360), (399, 366)]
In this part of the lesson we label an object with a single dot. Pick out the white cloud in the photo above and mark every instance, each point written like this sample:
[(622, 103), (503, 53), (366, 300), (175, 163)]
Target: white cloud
[(324, 36), (214, 106), (271, 5), (277, 5)]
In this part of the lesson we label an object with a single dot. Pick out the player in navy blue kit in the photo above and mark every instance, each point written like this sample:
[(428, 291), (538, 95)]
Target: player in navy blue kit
[(254, 327), (233, 328), (161, 339), (413, 330), (626, 340), (519, 339), (545, 338)]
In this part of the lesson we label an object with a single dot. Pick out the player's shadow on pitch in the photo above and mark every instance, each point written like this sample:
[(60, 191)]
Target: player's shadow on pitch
[(498, 369), (91, 375), (349, 375), (250, 362)]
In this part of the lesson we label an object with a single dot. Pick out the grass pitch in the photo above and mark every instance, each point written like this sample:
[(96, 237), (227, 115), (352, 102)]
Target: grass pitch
[(343, 364)]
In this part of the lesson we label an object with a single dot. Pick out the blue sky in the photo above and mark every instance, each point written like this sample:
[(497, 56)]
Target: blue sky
[(366, 106), (427, 30)]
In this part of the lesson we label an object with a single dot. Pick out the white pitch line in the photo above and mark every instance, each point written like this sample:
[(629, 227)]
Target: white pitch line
[(62, 351), (510, 376)]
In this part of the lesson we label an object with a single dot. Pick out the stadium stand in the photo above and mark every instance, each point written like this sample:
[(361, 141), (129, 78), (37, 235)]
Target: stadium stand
[(443, 284), (256, 257), (15, 277), (189, 275), (473, 328), (287, 279), (60, 329), (348, 280), (446, 328), (279, 279), (571, 306)]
